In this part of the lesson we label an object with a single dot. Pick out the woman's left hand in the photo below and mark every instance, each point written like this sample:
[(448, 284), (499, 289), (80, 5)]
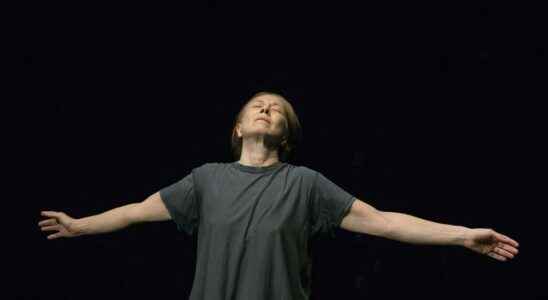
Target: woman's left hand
[(489, 242)]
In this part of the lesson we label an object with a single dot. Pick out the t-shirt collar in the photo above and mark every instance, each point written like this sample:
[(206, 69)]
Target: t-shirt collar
[(253, 169)]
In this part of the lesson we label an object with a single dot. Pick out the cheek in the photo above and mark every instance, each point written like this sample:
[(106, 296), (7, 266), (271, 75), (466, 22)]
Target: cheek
[(283, 124)]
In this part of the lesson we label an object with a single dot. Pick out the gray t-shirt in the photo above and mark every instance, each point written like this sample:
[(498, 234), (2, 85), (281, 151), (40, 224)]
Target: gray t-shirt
[(253, 226)]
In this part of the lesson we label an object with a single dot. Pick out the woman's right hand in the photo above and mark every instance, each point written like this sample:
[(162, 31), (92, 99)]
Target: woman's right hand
[(60, 222)]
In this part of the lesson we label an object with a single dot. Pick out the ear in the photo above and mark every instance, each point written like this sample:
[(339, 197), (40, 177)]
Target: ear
[(238, 132)]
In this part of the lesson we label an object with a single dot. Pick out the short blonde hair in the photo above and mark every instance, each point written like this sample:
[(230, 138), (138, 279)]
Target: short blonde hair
[(293, 132)]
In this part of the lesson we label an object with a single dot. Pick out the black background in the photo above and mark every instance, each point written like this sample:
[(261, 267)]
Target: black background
[(434, 111)]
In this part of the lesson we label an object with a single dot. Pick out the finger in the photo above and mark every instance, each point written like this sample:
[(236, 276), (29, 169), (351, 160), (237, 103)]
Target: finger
[(504, 252), (47, 222), (46, 228), (54, 236), (496, 256), (508, 248), (503, 238)]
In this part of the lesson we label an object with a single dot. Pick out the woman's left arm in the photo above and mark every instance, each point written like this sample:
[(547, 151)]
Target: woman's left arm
[(406, 228)]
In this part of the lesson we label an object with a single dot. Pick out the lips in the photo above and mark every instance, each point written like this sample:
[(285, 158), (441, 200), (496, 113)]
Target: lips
[(264, 119)]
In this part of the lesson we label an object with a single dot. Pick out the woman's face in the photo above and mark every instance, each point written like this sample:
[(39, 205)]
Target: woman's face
[(264, 115)]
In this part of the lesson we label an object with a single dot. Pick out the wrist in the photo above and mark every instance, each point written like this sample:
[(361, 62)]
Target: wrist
[(462, 236), (80, 227)]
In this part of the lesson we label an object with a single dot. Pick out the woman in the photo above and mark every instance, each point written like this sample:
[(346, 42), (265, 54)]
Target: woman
[(254, 216)]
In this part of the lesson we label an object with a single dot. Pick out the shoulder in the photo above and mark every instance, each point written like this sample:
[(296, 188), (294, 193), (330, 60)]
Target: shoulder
[(206, 173), (208, 167), (304, 172)]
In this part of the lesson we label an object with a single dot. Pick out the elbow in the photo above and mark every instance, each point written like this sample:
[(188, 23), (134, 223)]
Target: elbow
[(376, 223), (132, 214), (385, 227)]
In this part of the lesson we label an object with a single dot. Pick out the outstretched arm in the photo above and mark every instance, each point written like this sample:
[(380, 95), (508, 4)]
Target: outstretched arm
[(364, 218), (151, 209)]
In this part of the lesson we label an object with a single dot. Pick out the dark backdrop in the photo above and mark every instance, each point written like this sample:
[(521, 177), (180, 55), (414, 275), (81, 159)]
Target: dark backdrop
[(433, 111)]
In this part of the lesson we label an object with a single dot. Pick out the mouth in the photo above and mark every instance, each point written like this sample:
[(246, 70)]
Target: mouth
[(264, 120)]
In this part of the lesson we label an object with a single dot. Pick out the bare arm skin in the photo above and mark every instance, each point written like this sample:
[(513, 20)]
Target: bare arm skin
[(364, 218), (151, 209)]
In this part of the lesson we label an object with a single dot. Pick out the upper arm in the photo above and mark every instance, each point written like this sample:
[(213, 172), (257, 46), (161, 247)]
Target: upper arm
[(151, 209), (364, 218)]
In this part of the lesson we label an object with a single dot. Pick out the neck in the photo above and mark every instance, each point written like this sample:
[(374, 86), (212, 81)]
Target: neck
[(256, 154)]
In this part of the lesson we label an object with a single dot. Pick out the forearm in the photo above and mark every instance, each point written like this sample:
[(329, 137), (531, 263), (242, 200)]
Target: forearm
[(111, 220), (414, 230)]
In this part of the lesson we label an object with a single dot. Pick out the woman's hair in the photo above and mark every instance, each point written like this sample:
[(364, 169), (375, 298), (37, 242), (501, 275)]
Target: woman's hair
[(292, 132)]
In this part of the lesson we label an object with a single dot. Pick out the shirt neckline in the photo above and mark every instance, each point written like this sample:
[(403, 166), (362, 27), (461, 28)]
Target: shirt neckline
[(253, 169)]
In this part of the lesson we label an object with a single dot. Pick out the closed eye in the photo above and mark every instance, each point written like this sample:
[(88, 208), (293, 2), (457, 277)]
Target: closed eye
[(277, 110)]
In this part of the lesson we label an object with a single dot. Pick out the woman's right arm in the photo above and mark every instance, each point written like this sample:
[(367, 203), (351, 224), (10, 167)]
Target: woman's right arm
[(151, 209)]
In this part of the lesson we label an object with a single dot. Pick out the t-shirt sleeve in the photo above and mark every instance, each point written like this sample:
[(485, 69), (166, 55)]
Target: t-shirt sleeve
[(329, 204), (181, 201)]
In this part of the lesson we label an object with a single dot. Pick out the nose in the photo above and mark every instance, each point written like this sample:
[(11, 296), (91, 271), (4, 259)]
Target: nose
[(267, 110)]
